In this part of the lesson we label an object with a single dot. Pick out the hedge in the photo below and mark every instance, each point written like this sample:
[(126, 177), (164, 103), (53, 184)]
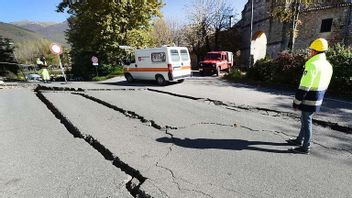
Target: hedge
[(287, 70)]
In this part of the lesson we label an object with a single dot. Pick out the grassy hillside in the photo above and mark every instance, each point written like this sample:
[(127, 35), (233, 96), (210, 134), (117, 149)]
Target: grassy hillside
[(18, 34), (28, 44), (52, 31)]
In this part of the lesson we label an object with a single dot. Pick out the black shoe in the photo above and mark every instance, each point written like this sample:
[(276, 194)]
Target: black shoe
[(294, 142), (300, 150)]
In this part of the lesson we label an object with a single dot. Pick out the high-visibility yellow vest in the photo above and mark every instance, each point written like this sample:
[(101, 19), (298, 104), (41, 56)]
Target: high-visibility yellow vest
[(314, 83), (45, 74)]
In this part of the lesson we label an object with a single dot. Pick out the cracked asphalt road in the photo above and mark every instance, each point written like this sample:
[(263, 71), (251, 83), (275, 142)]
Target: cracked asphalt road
[(210, 152), (39, 158), (181, 147)]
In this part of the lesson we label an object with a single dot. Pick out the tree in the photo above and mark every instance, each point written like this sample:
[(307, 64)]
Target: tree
[(7, 58), (161, 32), (99, 27), (7, 50), (140, 38), (208, 19), (200, 14), (28, 51)]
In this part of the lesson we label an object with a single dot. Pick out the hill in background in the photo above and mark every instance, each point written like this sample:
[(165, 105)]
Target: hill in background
[(50, 30), (29, 45), (18, 34)]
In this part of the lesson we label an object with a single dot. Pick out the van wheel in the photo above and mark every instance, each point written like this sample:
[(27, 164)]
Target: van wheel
[(129, 78), (160, 80)]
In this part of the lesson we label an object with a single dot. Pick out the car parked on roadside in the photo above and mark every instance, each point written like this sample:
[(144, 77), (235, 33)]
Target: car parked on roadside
[(34, 77), (215, 62)]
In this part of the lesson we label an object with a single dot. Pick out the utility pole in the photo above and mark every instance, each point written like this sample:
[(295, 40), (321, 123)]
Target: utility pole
[(251, 35)]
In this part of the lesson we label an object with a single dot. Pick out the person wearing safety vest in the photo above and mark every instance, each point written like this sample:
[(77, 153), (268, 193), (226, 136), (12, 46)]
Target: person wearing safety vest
[(43, 71), (310, 94)]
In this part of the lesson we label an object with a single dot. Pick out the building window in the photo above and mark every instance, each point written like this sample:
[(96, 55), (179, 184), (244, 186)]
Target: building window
[(326, 25)]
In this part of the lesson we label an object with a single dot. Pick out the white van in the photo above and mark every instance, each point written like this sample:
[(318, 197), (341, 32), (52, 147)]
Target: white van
[(161, 64)]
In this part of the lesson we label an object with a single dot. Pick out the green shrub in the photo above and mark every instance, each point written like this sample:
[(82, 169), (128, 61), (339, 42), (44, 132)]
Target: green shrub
[(108, 71), (104, 69), (234, 75), (261, 71), (341, 59), (288, 68), (99, 78)]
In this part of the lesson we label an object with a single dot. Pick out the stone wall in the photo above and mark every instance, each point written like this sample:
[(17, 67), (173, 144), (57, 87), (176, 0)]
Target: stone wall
[(277, 32), (311, 26), (263, 22)]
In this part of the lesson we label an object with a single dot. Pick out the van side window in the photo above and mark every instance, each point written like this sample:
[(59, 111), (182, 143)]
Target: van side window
[(175, 56), (184, 55), (158, 57)]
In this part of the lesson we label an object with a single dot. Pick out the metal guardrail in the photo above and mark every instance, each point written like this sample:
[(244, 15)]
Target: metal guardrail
[(7, 63)]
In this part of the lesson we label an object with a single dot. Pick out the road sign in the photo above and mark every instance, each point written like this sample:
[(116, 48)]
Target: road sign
[(94, 59), (56, 49)]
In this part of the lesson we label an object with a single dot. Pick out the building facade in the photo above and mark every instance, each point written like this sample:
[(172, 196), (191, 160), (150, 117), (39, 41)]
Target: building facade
[(331, 21)]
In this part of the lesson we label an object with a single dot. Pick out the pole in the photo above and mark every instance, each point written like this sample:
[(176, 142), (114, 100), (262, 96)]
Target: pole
[(251, 34), (62, 69)]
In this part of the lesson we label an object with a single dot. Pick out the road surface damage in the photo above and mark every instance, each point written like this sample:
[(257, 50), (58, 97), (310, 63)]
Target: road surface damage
[(137, 179), (133, 185), (263, 111)]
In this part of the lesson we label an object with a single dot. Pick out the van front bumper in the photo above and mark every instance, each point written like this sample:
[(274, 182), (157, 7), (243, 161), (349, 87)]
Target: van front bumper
[(208, 69)]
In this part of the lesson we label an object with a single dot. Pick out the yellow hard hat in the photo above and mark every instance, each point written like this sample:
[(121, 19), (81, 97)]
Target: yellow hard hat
[(320, 45)]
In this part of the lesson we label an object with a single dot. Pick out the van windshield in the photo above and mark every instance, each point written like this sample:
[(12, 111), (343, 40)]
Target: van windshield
[(213, 56), (184, 55), (175, 56)]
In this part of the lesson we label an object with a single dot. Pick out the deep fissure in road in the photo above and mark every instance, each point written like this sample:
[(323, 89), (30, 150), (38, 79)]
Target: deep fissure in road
[(131, 185), (264, 111), (127, 113), (135, 183), (165, 128), (334, 126)]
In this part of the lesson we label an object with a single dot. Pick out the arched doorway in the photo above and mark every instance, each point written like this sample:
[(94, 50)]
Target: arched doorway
[(259, 45)]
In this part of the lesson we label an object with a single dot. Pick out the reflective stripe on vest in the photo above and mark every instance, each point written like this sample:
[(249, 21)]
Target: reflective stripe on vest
[(314, 82)]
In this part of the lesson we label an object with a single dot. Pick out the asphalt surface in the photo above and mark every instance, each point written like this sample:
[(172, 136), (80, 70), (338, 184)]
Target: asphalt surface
[(172, 144), (196, 149), (40, 158), (336, 111)]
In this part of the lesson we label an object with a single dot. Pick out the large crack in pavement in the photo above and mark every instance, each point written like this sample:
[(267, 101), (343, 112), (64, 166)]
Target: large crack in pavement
[(128, 113), (153, 124), (264, 111), (132, 185), (230, 106), (165, 128)]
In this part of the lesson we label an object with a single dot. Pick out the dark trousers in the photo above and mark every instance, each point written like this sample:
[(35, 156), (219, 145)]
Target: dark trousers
[(306, 129)]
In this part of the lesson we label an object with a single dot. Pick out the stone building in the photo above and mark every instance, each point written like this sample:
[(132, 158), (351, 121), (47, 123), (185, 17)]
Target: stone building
[(331, 21)]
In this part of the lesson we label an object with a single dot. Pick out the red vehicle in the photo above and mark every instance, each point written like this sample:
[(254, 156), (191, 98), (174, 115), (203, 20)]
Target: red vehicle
[(215, 62)]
